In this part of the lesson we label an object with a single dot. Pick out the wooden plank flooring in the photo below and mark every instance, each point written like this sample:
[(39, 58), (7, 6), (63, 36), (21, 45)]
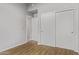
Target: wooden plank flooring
[(32, 48)]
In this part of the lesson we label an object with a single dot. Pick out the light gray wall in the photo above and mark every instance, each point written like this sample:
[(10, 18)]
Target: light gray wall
[(46, 7), (12, 25)]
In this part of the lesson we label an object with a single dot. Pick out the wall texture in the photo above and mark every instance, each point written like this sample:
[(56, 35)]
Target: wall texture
[(12, 25)]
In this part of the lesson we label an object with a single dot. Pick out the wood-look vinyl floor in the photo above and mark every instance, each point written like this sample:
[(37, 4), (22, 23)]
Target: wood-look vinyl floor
[(32, 48)]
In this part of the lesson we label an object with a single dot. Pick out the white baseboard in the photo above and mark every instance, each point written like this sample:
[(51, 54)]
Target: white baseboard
[(76, 51)]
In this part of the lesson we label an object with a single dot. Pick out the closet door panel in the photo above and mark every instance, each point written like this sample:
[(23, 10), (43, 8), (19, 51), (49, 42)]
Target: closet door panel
[(28, 27), (47, 29), (35, 29), (65, 29)]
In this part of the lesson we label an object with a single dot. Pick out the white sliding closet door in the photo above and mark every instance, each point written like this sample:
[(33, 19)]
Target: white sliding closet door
[(65, 29), (47, 29)]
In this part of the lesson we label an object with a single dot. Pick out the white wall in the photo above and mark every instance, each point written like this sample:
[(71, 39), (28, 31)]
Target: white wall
[(46, 7), (12, 25)]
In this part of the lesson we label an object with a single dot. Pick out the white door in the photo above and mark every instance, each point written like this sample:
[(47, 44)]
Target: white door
[(47, 29), (65, 29), (28, 27), (35, 29)]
